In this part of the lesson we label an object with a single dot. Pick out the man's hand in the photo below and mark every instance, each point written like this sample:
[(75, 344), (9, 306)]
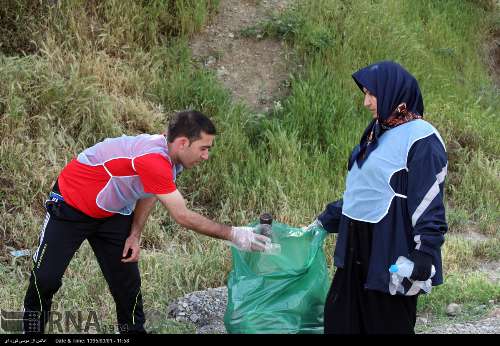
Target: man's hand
[(132, 246), (142, 210), (246, 240)]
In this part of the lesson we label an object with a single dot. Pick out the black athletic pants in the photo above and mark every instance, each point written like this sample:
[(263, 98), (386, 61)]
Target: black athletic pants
[(64, 230), (352, 309)]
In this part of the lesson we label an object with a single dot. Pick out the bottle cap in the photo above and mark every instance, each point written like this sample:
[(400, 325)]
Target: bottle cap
[(266, 218), (394, 268)]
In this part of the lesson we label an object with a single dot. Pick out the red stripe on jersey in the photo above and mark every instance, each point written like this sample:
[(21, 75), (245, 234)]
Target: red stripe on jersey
[(120, 167), (156, 173), (80, 184)]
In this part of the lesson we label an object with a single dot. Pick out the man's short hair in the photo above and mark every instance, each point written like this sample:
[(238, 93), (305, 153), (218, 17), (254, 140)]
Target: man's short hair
[(189, 124)]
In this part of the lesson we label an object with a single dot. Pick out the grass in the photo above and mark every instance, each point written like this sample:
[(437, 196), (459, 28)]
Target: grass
[(86, 70), (470, 290)]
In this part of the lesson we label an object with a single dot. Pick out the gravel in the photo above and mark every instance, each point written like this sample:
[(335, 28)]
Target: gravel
[(205, 309), (490, 325)]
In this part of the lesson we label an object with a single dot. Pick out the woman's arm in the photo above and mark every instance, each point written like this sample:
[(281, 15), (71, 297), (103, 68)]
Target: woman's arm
[(427, 167), (330, 217)]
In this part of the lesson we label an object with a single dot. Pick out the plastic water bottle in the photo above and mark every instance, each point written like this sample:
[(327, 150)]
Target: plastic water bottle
[(403, 269), (20, 253)]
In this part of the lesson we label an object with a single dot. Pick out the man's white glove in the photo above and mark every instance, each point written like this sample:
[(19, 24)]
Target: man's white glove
[(314, 224), (246, 240)]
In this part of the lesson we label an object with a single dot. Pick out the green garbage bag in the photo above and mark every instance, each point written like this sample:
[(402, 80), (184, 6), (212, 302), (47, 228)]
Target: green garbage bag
[(283, 292)]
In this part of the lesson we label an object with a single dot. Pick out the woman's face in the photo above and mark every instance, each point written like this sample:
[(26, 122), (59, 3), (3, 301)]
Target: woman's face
[(370, 102)]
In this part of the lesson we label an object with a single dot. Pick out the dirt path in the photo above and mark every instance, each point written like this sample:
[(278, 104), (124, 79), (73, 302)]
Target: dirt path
[(253, 69)]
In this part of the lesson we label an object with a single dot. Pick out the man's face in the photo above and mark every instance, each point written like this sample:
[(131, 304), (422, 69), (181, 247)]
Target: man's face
[(197, 151)]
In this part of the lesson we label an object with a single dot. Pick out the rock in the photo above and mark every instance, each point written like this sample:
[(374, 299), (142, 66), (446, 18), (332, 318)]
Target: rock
[(422, 320), (475, 236), (495, 313), (230, 35), (205, 309), (216, 327), (194, 318), (221, 71), (453, 309), (210, 61)]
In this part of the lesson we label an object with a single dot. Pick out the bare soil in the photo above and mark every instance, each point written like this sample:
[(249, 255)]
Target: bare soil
[(255, 70)]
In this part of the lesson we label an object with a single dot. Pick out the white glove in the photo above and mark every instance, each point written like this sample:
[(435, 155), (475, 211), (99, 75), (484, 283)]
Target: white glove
[(314, 224), (246, 240)]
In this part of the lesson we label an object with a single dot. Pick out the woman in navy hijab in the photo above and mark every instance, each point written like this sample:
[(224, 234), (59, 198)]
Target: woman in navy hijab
[(392, 206)]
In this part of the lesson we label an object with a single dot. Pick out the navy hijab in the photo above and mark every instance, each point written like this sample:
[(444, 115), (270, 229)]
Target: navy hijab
[(392, 85)]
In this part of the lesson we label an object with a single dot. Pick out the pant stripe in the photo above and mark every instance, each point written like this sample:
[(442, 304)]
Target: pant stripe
[(38, 291), (133, 310), (46, 221)]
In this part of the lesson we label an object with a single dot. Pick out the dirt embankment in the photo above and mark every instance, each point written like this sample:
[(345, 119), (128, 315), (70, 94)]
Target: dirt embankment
[(252, 68)]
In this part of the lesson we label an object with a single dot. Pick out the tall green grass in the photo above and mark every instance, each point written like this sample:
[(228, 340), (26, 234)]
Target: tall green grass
[(116, 27), (103, 68)]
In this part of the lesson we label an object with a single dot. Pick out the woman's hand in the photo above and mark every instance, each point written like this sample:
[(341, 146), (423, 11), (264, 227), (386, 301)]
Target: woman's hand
[(314, 224), (422, 265)]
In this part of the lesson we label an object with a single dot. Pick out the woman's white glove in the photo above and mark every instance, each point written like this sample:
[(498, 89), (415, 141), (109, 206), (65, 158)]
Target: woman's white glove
[(314, 224), (246, 240)]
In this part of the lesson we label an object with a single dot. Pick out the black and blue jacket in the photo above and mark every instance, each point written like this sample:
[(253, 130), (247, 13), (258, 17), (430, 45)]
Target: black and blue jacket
[(415, 217)]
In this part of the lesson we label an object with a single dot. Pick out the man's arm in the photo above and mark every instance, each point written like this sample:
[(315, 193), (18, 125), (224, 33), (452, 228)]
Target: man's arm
[(176, 206), (141, 213), (242, 237)]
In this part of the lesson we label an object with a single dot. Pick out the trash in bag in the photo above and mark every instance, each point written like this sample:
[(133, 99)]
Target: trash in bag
[(279, 292)]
